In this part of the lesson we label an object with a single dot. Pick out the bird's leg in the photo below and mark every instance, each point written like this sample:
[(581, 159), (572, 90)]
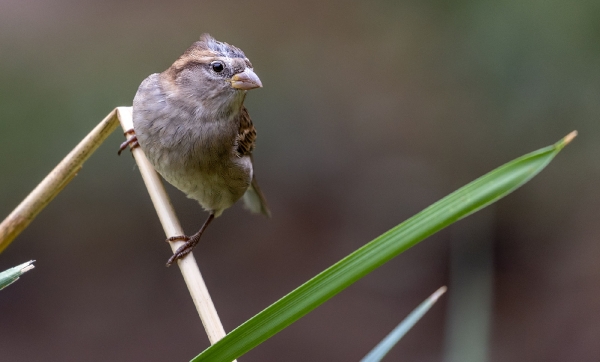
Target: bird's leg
[(133, 142), (190, 242)]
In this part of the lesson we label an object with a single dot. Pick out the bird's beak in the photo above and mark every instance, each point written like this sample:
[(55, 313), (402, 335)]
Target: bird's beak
[(246, 80)]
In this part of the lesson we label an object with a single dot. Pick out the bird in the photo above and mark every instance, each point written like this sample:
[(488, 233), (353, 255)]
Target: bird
[(191, 123)]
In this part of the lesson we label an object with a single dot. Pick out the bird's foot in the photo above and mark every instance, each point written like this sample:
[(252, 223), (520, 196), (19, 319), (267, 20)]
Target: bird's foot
[(190, 242), (185, 249), (132, 142)]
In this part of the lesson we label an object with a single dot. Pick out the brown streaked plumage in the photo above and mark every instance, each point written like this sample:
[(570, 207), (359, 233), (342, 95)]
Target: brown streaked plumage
[(246, 134), (191, 123)]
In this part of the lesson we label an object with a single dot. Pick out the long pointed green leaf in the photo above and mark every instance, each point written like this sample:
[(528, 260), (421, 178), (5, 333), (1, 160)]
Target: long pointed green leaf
[(383, 347), (11, 275), (459, 204)]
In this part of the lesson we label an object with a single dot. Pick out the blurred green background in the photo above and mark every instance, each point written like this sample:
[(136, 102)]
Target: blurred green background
[(370, 111)]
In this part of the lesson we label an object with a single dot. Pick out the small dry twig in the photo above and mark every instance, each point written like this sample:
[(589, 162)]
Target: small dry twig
[(56, 180)]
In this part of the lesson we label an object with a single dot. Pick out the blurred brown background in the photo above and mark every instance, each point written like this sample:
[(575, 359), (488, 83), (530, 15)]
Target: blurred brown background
[(370, 111)]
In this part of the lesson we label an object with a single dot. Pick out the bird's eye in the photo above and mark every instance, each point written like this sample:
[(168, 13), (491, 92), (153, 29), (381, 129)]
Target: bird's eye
[(217, 67)]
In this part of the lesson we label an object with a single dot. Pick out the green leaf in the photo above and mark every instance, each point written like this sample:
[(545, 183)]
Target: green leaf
[(459, 204), (395, 335), (11, 275)]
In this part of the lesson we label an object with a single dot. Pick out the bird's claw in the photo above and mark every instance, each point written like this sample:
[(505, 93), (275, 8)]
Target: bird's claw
[(183, 250), (178, 237), (132, 142), (190, 241)]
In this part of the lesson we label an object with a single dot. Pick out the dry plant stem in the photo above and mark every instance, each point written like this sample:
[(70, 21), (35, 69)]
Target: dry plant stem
[(56, 180), (170, 223)]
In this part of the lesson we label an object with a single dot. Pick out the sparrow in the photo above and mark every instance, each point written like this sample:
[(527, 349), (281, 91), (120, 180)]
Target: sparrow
[(191, 123)]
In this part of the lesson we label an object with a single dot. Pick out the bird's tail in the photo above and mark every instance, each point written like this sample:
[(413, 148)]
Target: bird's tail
[(255, 201)]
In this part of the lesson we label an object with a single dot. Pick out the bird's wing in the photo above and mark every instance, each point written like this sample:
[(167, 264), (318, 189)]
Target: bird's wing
[(246, 134), (253, 198)]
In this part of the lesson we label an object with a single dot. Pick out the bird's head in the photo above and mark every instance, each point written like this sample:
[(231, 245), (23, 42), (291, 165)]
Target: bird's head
[(214, 73)]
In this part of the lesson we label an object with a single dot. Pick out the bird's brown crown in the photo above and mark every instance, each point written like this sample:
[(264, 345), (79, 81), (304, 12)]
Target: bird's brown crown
[(204, 51)]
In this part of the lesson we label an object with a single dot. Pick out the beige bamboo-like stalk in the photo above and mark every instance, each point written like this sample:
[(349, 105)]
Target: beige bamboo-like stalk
[(56, 180), (67, 169), (166, 214)]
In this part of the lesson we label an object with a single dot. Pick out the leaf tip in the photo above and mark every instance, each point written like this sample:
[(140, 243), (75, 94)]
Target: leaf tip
[(438, 293), (568, 138), (28, 267)]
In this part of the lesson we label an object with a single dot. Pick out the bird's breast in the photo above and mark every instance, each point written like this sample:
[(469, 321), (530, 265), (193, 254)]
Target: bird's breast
[(197, 156)]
